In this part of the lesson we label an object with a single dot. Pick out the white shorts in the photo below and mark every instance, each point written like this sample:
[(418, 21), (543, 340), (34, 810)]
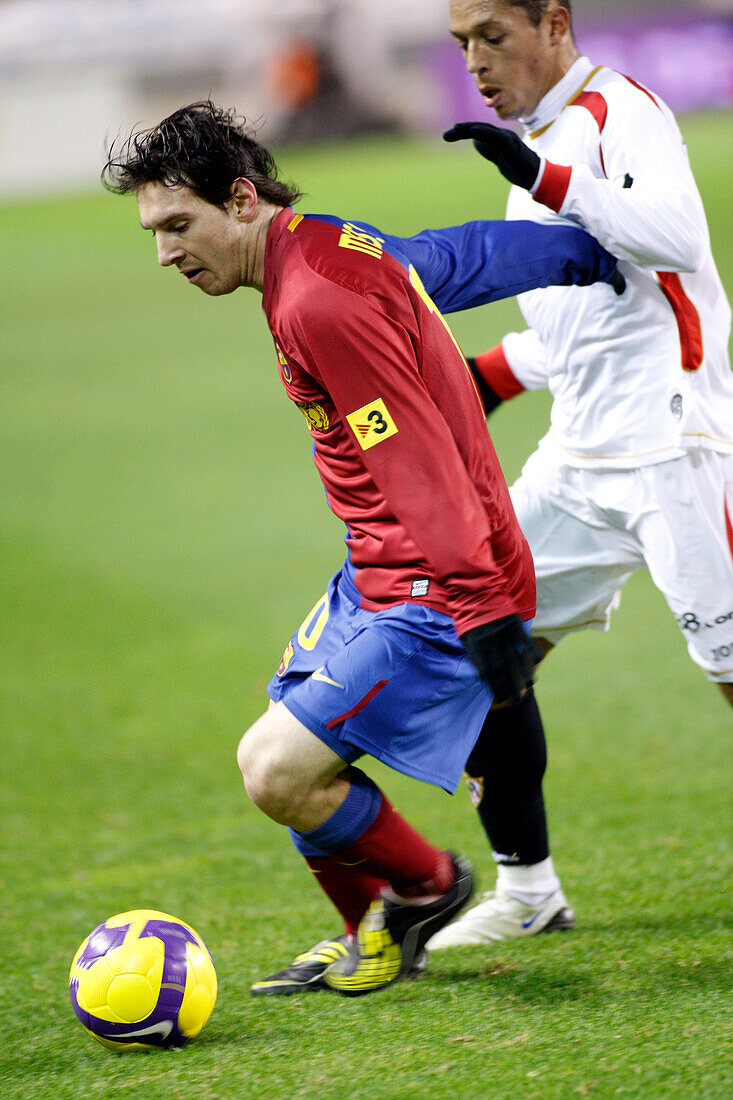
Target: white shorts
[(589, 530)]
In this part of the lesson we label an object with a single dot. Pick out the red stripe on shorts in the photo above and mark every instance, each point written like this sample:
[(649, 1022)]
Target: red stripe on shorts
[(728, 526), (359, 706)]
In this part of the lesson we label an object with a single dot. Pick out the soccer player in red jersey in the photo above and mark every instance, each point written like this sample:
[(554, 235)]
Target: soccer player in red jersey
[(437, 568)]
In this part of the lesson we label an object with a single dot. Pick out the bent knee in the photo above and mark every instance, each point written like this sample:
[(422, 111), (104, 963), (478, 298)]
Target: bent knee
[(267, 771), (270, 788)]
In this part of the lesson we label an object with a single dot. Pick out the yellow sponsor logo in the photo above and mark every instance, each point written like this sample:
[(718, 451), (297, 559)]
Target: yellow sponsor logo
[(360, 241), (316, 415), (286, 371), (371, 424)]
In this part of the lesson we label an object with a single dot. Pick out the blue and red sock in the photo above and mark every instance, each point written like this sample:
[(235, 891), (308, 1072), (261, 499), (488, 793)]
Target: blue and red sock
[(366, 844)]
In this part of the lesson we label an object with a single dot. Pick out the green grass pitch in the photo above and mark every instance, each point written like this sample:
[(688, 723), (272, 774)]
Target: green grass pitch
[(163, 531)]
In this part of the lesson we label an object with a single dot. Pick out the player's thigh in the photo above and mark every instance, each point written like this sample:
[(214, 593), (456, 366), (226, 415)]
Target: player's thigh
[(582, 560), (688, 546), (281, 760), (323, 674)]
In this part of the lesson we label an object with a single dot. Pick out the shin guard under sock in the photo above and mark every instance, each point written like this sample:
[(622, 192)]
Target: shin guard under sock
[(367, 831)]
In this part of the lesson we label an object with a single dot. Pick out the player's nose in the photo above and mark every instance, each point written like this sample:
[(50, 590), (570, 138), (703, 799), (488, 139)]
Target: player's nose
[(476, 58), (168, 255)]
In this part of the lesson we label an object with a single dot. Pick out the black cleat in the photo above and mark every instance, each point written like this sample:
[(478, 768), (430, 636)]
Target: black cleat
[(306, 972), (392, 934)]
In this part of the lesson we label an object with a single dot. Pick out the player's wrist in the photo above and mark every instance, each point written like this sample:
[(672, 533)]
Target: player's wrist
[(540, 173), (551, 184), (489, 396)]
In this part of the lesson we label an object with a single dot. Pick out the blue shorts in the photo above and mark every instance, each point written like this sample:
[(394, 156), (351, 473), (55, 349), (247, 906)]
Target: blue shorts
[(395, 684)]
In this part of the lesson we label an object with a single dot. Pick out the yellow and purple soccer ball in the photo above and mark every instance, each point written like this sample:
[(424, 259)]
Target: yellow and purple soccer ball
[(142, 980)]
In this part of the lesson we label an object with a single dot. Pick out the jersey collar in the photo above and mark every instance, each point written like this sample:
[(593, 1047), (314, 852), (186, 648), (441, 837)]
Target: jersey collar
[(274, 235), (558, 97)]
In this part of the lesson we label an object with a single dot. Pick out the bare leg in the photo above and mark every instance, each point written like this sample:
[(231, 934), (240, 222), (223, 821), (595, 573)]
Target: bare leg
[(289, 773)]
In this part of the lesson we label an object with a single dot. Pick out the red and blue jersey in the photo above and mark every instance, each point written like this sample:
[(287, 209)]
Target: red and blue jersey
[(399, 433)]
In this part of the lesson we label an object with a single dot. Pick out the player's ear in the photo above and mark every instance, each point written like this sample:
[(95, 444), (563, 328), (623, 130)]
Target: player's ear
[(243, 199), (559, 18)]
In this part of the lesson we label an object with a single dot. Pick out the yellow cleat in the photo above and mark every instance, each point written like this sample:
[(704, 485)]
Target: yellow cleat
[(392, 934), (374, 959)]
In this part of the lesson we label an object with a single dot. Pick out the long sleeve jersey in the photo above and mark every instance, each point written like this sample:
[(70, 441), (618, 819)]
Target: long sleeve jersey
[(639, 378), (399, 436)]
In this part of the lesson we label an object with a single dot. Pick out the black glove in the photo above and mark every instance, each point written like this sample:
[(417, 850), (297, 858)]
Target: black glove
[(506, 149), (504, 655), (513, 158)]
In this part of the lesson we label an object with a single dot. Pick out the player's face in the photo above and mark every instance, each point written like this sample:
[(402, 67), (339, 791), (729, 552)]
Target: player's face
[(513, 63), (205, 242)]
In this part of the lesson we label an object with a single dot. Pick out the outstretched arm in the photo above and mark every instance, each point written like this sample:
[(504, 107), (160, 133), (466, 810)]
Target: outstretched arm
[(470, 265), (647, 209)]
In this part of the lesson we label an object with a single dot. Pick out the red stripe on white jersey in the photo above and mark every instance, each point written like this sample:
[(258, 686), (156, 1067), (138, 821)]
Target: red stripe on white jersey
[(687, 318), (494, 368), (596, 104), (642, 89), (554, 185)]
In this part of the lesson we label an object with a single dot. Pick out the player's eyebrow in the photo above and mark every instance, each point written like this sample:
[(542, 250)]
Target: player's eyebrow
[(480, 28), (164, 221)]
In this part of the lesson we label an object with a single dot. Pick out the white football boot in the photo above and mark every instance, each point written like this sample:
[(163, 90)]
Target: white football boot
[(499, 916)]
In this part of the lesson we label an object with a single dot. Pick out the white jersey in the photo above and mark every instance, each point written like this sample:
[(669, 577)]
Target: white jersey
[(643, 377)]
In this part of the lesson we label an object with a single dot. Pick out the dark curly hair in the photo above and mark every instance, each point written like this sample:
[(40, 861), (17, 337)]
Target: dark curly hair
[(536, 9), (201, 146)]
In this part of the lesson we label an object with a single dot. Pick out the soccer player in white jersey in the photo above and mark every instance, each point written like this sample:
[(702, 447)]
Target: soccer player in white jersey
[(636, 470)]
